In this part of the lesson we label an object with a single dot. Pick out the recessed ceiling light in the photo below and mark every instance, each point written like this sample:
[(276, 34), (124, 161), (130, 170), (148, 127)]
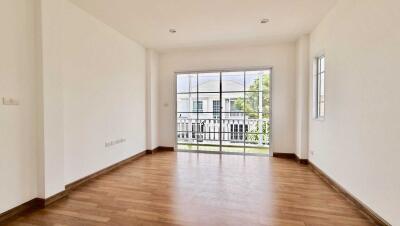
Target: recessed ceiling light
[(264, 21), (172, 31)]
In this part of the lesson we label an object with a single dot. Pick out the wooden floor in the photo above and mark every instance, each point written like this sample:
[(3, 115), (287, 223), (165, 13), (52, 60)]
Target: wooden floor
[(171, 188)]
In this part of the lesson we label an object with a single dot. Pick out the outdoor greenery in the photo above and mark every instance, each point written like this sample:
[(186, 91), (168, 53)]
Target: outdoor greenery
[(250, 104)]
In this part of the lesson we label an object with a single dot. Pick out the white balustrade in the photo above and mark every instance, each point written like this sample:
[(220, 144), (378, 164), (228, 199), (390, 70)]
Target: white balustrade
[(232, 129)]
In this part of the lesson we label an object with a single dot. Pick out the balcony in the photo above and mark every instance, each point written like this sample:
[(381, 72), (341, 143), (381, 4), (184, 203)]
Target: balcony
[(236, 134)]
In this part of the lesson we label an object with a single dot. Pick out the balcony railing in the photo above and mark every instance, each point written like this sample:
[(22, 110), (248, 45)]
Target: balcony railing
[(251, 131)]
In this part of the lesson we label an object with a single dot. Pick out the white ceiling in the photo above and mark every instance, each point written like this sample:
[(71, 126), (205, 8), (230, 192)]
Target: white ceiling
[(201, 23)]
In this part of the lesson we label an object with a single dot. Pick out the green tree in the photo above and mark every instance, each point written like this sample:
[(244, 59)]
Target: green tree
[(250, 105)]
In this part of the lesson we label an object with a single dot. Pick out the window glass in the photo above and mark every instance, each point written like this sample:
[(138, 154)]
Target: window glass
[(197, 106), (319, 88), (186, 83), (233, 81), (224, 111), (209, 82)]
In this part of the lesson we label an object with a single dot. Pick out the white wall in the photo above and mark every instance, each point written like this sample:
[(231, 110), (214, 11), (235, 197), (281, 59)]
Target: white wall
[(52, 153), (80, 84), (152, 66), (358, 142), (18, 124), (103, 89), (302, 80), (281, 57)]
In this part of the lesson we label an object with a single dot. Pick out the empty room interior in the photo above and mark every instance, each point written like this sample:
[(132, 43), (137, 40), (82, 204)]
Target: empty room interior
[(199, 112)]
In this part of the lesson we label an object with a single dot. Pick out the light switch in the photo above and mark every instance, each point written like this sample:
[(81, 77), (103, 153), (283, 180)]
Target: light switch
[(10, 101)]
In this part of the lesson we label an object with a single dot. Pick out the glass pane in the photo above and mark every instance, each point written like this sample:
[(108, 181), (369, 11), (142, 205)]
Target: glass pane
[(197, 106), (233, 102), (253, 78), (322, 78), (186, 137), (234, 140), (257, 143), (322, 95), (208, 132), (186, 83), (207, 147), (209, 127), (233, 130), (257, 150), (322, 109), (266, 88), (210, 102), (322, 64), (216, 106), (189, 147), (237, 148), (184, 120), (209, 82), (257, 122), (232, 81), (253, 103), (184, 102), (186, 128)]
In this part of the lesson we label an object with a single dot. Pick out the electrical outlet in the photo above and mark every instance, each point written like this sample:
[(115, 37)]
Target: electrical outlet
[(114, 142), (10, 101)]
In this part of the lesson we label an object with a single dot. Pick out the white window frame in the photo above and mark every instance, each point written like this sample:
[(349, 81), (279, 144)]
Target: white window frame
[(319, 87)]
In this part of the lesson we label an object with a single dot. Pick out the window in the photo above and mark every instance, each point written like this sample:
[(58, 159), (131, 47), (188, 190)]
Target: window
[(319, 88), (233, 107), (234, 111), (197, 106), (216, 108)]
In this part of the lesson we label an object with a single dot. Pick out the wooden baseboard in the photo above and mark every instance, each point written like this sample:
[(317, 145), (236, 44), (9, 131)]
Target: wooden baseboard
[(50, 200), (284, 155), (159, 149), (83, 180), (11, 214), (290, 156), (368, 212), (163, 148), (301, 161)]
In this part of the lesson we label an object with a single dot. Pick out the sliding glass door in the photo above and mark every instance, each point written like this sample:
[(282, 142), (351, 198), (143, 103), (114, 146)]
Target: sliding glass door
[(224, 111)]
